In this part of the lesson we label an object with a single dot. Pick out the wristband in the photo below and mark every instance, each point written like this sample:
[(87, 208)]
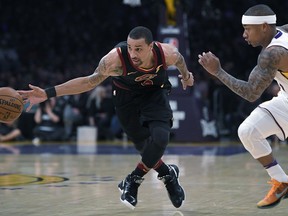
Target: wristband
[(187, 78), (50, 92)]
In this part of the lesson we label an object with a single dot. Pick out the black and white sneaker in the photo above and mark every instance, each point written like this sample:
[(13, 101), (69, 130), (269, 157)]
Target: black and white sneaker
[(175, 191), (129, 189)]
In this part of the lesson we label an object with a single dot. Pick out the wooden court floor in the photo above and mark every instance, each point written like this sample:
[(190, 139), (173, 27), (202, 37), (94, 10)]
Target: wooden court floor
[(86, 185)]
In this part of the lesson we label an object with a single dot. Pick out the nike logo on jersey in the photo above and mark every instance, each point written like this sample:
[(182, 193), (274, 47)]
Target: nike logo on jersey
[(129, 73), (158, 68)]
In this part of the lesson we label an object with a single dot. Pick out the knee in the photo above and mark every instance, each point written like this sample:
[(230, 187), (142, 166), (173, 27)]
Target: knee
[(244, 132), (140, 146), (160, 137), (248, 134), (253, 141)]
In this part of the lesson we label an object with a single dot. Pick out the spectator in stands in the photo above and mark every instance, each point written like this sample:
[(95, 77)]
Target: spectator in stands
[(100, 112), (10, 132), (49, 125), (75, 114)]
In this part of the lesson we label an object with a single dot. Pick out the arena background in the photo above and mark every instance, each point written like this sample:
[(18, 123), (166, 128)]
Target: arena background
[(48, 42)]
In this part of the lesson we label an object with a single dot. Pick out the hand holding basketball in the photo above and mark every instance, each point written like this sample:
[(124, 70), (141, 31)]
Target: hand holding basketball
[(34, 96), (11, 104)]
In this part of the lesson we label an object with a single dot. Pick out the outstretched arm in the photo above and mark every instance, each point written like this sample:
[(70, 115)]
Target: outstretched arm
[(259, 79), (83, 84), (74, 86), (108, 66)]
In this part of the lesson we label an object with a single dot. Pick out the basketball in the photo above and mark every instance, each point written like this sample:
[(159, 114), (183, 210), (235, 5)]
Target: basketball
[(11, 104)]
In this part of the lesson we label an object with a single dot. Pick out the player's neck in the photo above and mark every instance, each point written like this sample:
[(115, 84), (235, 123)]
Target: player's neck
[(149, 64), (270, 36)]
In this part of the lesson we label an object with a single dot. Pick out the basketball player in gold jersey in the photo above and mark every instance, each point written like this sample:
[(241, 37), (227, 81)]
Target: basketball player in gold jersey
[(270, 117)]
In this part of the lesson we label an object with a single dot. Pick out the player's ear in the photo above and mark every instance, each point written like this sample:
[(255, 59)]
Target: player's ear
[(265, 26)]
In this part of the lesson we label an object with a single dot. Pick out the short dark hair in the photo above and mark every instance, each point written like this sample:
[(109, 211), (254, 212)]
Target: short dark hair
[(259, 10), (141, 32)]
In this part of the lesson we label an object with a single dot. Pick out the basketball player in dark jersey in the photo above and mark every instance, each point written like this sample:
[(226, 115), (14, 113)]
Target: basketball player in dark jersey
[(140, 94)]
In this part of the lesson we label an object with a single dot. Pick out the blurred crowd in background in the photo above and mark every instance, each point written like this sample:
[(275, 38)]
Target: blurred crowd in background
[(45, 43)]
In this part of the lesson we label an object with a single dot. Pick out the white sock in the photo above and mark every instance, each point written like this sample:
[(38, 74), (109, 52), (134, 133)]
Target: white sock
[(276, 172)]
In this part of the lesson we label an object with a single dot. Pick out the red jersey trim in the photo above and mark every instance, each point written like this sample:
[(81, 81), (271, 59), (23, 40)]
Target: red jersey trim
[(120, 86), (162, 55), (122, 61)]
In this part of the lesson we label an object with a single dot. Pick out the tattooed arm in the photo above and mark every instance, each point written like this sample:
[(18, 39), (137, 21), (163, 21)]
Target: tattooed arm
[(284, 27), (259, 79), (109, 65), (174, 57), (82, 84)]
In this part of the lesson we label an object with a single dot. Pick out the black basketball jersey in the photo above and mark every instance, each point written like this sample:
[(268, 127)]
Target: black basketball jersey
[(135, 78)]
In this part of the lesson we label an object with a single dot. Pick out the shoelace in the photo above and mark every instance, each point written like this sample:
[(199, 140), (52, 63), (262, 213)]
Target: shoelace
[(132, 180)]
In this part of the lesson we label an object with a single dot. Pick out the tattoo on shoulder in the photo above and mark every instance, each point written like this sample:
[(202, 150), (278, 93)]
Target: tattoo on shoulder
[(108, 69), (96, 78), (102, 65), (269, 59), (118, 71), (99, 74)]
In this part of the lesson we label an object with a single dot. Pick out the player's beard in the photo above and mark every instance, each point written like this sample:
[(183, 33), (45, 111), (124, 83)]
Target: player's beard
[(137, 62)]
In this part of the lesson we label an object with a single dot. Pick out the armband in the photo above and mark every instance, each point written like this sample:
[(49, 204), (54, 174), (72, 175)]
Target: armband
[(50, 92)]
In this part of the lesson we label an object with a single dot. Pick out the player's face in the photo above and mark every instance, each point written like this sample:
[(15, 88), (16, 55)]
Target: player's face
[(139, 51), (254, 35)]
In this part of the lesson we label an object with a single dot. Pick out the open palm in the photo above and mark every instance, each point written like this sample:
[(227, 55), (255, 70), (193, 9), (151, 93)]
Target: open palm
[(34, 96)]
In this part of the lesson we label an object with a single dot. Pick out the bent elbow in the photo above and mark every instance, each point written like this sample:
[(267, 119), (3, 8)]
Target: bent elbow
[(253, 98)]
